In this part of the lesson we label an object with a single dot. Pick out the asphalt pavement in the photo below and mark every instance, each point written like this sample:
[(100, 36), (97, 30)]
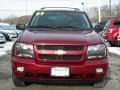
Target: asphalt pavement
[(6, 81)]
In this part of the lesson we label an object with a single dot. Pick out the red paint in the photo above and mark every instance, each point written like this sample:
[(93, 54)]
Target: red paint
[(81, 69), (78, 69), (111, 31)]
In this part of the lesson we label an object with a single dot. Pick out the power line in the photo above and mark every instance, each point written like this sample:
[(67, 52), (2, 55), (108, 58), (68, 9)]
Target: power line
[(17, 10)]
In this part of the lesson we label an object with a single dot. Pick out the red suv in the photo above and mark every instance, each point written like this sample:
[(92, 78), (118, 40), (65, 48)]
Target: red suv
[(59, 45), (112, 32)]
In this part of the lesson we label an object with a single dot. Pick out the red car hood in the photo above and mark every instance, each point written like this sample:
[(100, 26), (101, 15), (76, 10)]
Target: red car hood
[(64, 37)]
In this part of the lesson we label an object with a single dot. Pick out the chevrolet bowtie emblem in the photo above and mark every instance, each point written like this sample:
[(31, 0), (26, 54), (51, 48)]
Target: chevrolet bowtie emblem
[(60, 52)]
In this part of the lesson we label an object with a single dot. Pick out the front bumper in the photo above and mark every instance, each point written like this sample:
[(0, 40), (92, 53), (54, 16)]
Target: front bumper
[(34, 72)]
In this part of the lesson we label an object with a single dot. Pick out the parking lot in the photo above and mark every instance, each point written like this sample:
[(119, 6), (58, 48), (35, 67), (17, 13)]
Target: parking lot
[(6, 81), (60, 40)]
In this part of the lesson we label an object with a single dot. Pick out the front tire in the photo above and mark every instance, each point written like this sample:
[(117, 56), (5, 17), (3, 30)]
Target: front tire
[(111, 43), (100, 84), (18, 83), (114, 44)]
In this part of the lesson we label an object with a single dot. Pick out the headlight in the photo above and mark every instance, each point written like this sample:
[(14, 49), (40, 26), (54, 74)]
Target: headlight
[(24, 50), (96, 51)]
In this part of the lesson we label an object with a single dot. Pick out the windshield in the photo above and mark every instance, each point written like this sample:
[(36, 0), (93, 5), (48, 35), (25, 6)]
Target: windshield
[(60, 19), (13, 27), (4, 27)]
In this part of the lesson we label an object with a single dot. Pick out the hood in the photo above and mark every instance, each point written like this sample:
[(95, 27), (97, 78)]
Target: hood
[(7, 31), (64, 37)]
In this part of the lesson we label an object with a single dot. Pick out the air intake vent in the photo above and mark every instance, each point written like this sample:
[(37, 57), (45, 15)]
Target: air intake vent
[(60, 47), (58, 57)]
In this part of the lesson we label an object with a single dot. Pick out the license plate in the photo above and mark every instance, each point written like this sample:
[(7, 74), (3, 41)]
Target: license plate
[(60, 72)]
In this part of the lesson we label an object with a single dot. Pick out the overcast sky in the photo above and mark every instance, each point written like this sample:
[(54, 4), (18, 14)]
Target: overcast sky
[(18, 7)]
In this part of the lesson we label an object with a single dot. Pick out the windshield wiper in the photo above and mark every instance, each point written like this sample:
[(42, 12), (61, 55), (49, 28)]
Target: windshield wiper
[(41, 26), (73, 27), (70, 28)]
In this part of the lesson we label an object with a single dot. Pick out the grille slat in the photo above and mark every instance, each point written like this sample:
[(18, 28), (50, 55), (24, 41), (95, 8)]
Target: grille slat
[(53, 56), (59, 57), (60, 47)]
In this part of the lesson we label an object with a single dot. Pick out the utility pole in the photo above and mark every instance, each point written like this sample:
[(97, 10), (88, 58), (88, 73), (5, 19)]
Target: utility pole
[(26, 11), (99, 11), (110, 9)]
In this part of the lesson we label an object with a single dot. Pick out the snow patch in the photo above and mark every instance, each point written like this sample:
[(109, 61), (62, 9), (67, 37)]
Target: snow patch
[(7, 48), (2, 53), (114, 50)]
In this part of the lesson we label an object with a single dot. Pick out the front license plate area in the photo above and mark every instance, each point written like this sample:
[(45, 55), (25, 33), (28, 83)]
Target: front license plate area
[(60, 72)]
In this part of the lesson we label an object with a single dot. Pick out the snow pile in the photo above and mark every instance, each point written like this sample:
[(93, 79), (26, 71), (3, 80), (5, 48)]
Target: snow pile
[(7, 48), (114, 50)]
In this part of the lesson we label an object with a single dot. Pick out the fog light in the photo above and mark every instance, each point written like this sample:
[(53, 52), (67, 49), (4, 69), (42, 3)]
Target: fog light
[(21, 69), (99, 70)]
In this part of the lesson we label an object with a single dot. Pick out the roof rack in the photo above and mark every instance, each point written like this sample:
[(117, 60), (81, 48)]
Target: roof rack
[(69, 8)]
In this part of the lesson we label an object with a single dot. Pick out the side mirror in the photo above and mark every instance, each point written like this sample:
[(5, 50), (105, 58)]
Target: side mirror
[(98, 28), (21, 26)]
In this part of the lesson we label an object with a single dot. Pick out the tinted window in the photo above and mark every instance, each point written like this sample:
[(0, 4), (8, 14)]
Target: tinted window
[(60, 19), (103, 23), (117, 24)]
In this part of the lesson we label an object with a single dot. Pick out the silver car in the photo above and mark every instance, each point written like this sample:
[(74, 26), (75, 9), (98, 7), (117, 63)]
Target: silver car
[(9, 34), (13, 28), (2, 40)]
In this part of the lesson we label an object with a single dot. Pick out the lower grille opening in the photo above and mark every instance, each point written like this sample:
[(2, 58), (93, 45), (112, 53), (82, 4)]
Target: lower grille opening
[(47, 76), (39, 75), (90, 75), (28, 74), (59, 57)]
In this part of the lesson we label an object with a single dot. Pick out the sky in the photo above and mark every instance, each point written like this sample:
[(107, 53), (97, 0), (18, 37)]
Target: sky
[(19, 7)]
